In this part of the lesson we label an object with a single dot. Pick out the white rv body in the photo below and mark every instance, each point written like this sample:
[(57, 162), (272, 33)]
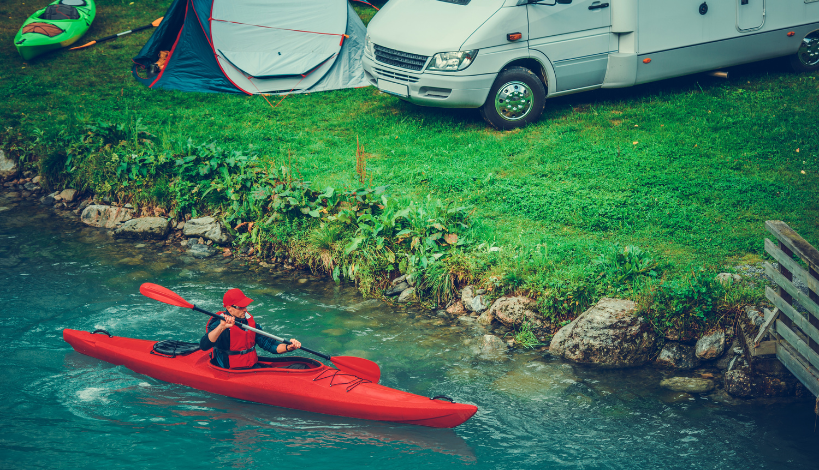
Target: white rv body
[(582, 45)]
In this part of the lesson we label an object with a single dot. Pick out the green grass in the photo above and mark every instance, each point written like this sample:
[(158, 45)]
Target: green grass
[(686, 169)]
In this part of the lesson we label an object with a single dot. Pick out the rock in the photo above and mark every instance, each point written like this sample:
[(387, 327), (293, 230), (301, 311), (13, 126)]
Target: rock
[(711, 346), (472, 302), (105, 216), (726, 361), (688, 384), (537, 380), (407, 295), (68, 195), (396, 289), (486, 318), (727, 279), (31, 187), (492, 348), (513, 311), (677, 356), (144, 228), (36, 179), (48, 200), (754, 316), (738, 384), (13, 195), (8, 167), (206, 227), (399, 280), (200, 251), (180, 225), (607, 334), (457, 308)]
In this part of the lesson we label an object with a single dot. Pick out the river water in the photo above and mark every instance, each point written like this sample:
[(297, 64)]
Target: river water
[(60, 409)]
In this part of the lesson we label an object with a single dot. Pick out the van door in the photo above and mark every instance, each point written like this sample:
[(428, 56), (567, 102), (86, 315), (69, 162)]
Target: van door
[(750, 15), (576, 37)]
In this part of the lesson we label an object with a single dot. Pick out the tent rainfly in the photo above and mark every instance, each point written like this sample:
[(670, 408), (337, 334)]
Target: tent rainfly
[(255, 46)]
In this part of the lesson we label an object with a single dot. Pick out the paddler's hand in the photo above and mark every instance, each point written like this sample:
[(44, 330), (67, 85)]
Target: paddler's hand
[(227, 322), (294, 344)]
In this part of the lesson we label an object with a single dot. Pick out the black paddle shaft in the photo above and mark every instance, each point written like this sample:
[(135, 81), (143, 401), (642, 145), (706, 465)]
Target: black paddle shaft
[(114, 36), (263, 333)]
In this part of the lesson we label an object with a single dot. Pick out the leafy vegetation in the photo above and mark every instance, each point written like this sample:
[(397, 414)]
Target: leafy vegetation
[(643, 193)]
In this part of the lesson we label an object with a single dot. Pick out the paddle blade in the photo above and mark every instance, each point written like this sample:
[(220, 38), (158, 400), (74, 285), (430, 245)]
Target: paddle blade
[(364, 368), (156, 22), (164, 295), (88, 44)]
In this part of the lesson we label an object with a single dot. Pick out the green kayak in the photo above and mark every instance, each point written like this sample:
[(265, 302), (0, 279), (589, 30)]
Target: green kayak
[(58, 25)]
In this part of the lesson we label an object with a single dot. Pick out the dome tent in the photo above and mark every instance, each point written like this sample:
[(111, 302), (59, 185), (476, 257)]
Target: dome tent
[(256, 46)]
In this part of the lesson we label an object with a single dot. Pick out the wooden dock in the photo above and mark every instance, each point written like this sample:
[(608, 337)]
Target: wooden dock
[(794, 322)]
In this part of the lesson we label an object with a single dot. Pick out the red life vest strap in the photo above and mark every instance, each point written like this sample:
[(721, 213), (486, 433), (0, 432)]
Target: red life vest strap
[(236, 353)]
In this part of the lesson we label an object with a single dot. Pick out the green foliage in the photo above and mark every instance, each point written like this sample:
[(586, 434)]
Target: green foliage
[(692, 300), (526, 338)]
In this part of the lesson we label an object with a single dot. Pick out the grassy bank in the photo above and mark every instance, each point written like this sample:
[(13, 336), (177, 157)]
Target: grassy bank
[(644, 192)]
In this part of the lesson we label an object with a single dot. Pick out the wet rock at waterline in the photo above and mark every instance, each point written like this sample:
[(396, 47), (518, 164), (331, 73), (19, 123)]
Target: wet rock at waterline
[(711, 346), (456, 309), (8, 167), (67, 195), (514, 311), (200, 250), (473, 301), (144, 228), (492, 348), (677, 356), (105, 216), (486, 318), (407, 295), (397, 289), (206, 227), (688, 384), (608, 334)]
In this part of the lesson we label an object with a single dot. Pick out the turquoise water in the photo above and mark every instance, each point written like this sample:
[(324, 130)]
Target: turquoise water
[(60, 409)]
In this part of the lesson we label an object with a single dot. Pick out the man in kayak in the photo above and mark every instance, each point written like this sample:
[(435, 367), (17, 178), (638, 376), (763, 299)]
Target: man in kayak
[(235, 348)]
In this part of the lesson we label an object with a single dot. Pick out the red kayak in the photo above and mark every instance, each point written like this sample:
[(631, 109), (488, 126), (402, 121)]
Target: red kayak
[(291, 382)]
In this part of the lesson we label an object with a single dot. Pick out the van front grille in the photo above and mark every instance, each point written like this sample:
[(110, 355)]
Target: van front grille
[(404, 60), (384, 73)]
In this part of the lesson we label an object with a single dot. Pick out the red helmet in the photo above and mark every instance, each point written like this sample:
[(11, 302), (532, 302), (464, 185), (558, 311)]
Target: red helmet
[(236, 297)]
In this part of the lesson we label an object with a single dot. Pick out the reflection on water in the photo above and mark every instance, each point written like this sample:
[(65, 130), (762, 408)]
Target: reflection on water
[(61, 409)]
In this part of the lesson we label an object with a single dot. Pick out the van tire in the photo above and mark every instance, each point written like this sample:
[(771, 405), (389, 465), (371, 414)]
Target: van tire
[(806, 58), (528, 99)]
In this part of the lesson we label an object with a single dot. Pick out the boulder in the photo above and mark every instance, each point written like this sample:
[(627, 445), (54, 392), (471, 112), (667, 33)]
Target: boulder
[(105, 216), (677, 356), (407, 295), (144, 228), (711, 346), (608, 334), (200, 251), (8, 167), (206, 227), (513, 311), (738, 384), (472, 301), (727, 279), (492, 348), (486, 318), (68, 195), (397, 289), (688, 384), (457, 308)]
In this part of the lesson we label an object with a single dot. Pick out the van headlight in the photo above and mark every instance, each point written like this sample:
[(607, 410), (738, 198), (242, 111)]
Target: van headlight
[(369, 46), (452, 61)]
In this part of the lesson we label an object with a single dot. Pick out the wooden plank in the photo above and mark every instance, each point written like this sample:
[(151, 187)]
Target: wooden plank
[(797, 318), (803, 299), (806, 374), (769, 319), (792, 240), (796, 343), (792, 266)]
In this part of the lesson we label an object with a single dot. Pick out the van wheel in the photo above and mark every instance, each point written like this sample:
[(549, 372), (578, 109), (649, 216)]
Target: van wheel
[(516, 99), (806, 58)]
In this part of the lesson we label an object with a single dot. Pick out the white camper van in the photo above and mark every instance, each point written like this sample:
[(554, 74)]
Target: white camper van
[(507, 56)]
